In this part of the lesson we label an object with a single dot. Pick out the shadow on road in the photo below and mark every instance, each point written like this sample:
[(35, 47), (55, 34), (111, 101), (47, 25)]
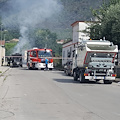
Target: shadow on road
[(65, 80), (62, 73), (77, 82)]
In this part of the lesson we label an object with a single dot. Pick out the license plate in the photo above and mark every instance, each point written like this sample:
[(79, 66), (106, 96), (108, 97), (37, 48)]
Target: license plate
[(99, 77)]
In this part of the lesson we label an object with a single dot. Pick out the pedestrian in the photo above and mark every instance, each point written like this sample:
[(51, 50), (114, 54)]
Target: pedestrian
[(2, 60), (8, 61), (46, 63)]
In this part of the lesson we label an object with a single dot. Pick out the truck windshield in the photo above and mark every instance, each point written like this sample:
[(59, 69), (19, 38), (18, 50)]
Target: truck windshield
[(44, 54)]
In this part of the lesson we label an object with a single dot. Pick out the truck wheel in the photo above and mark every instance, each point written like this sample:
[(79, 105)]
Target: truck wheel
[(81, 78), (75, 76), (107, 82)]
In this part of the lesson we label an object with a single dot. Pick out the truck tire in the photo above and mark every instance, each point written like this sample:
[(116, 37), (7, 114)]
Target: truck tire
[(107, 82), (81, 77), (75, 76)]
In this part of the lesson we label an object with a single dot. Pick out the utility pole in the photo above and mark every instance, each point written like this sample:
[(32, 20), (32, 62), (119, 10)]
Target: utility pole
[(1, 34)]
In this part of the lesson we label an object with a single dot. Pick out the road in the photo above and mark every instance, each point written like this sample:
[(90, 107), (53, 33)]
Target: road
[(50, 95)]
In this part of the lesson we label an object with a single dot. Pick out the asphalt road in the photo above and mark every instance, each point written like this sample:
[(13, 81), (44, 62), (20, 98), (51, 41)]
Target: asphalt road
[(50, 95)]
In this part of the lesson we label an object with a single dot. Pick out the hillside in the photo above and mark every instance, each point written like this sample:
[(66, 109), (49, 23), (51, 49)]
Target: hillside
[(75, 10), (72, 10)]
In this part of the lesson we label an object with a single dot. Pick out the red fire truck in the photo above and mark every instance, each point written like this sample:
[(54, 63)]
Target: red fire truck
[(36, 58)]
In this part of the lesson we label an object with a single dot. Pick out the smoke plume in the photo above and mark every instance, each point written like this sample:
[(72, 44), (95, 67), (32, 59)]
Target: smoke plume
[(27, 14)]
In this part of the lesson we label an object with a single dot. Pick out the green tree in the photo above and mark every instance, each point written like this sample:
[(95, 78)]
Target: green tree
[(44, 38), (9, 47), (109, 26)]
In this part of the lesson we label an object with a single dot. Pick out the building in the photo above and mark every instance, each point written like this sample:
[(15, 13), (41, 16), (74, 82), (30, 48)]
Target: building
[(79, 34), (14, 40), (2, 51), (79, 28), (60, 41)]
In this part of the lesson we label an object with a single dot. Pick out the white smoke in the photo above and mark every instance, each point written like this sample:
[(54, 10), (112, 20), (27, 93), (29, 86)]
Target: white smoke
[(23, 40), (28, 14)]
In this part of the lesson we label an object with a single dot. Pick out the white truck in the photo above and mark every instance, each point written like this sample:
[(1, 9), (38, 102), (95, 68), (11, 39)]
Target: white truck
[(94, 60)]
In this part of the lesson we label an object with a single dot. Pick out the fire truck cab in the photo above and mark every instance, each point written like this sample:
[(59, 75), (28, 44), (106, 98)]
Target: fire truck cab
[(36, 58)]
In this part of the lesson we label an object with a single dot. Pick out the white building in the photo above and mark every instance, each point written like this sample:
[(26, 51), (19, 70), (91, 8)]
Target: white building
[(78, 29), (2, 52)]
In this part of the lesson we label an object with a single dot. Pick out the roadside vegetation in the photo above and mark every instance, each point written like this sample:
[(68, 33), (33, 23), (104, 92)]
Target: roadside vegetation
[(109, 22)]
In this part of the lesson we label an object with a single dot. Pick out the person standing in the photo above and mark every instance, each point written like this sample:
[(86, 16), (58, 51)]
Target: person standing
[(46, 63), (2, 60)]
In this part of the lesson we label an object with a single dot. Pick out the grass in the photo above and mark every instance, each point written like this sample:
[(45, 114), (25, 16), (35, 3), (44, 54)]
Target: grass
[(5, 78), (0, 71)]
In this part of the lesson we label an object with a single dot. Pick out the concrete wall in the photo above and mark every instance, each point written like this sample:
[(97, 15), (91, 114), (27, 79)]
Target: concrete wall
[(83, 26), (2, 54), (78, 33), (75, 33)]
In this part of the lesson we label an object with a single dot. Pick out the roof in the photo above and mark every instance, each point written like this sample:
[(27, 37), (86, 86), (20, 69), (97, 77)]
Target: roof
[(39, 49), (60, 41), (2, 42), (14, 40), (75, 23), (67, 42)]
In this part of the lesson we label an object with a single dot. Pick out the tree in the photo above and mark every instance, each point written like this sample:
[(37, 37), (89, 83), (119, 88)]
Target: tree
[(44, 38), (9, 47), (109, 27)]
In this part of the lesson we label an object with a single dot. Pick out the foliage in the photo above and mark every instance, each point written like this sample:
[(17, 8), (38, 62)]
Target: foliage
[(9, 47), (44, 38), (13, 33), (109, 27)]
